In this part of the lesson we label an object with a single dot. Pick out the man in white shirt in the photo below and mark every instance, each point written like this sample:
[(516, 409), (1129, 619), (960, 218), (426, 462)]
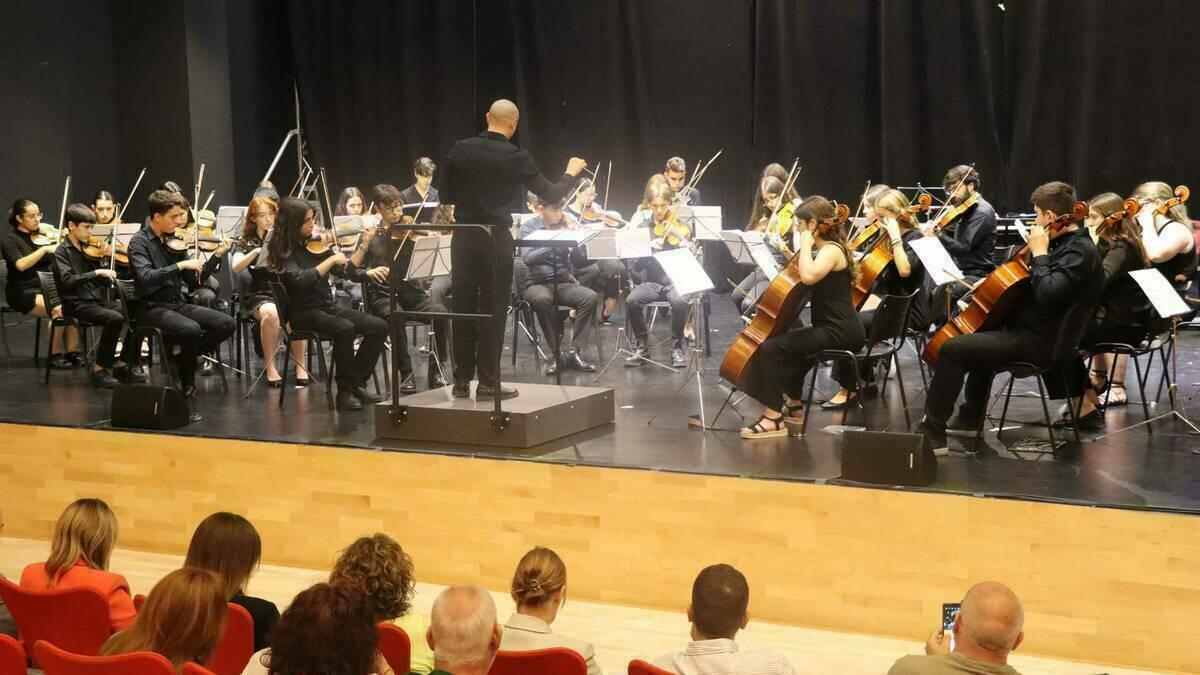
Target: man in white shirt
[(719, 609)]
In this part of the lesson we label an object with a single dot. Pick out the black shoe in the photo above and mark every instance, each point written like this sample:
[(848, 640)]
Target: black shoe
[(367, 397), (830, 405), (490, 391), (408, 383), (937, 439), (347, 401), (573, 361), (436, 381), (678, 360), (639, 355), (1093, 421), (58, 362), (194, 417), (462, 389), (205, 369), (74, 358), (963, 426), (551, 370), (302, 382), (102, 380), (129, 376), (275, 384), (188, 390), (138, 375)]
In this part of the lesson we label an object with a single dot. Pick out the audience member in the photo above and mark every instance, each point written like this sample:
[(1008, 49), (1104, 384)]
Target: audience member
[(83, 540), (719, 609), (7, 625), (380, 567), (328, 629), (463, 631), (228, 544), (539, 587), (988, 627), (183, 619)]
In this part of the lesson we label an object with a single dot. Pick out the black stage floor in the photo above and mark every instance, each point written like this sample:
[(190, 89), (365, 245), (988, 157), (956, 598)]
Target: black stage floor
[(1133, 469)]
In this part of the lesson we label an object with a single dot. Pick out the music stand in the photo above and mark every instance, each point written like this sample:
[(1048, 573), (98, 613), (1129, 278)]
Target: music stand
[(556, 239), (230, 220), (630, 243), (690, 281), (430, 258)]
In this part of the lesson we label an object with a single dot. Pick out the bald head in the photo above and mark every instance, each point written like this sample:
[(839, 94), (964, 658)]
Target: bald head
[(992, 617), (502, 117), (463, 630)]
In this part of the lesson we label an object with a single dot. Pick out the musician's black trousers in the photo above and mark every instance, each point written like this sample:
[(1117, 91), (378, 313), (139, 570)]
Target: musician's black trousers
[(974, 357), (111, 321), (353, 369), (576, 296), (412, 297), (480, 281), (195, 329), (782, 362)]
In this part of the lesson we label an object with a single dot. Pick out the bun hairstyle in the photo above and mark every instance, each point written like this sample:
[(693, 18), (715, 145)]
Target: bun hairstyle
[(540, 575), (18, 210)]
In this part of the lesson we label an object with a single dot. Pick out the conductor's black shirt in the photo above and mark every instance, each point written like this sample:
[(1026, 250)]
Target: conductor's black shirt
[(485, 178)]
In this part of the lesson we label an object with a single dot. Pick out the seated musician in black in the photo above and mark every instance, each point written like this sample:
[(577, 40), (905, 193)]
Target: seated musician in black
[(906, 275), (374, 274), (82, 283), (190, 330), (24, 259), (311, 306), (422, 190), (549, 265), (602, 276), (653, 284), (776, 376), (1124, 314), (971, 241), (676, 174), (1065, 270)]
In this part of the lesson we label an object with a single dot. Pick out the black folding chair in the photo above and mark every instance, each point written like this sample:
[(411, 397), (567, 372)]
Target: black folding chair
[(52, 300), (127, 293)]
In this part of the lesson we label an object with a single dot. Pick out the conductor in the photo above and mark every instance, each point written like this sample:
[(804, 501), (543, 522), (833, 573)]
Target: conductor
[(485, 178)]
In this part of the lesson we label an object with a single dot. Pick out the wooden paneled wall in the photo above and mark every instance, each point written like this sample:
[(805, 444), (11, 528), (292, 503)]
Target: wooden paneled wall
[(1102, 585)]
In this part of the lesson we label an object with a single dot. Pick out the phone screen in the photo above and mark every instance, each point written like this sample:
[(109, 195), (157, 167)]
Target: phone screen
[(949, 613)]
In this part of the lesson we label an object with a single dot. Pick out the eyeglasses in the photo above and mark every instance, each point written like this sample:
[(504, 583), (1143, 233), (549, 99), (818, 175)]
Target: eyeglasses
[(37, 215)]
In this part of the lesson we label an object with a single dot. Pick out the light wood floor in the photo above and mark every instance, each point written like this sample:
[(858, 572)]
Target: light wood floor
[(619, 633)]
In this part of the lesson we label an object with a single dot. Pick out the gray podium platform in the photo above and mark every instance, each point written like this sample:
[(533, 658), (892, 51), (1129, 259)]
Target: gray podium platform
[(543, 412)]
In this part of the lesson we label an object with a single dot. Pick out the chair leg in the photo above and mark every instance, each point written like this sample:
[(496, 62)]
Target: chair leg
[(858, 395), (287, 357), (37, 341), (1046, 413), (1165, 355), (516, 325), (85, 336), (1004, 413), (812, 391), (1137, 369), (49, 346), (221, 369), (4, 337), (903, 395)]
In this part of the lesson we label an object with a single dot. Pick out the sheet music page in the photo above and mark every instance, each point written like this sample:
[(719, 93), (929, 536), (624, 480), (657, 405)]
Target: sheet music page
[(633, 243), (1162, 295), (1022, 229), (936, 259), (764, 259), (684, 271)]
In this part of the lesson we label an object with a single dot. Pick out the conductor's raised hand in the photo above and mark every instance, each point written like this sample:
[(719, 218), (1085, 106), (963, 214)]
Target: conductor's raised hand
[(575, 166)]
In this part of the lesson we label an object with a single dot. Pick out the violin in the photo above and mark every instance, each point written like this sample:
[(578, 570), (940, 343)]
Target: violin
[(46, 235), (101, 248), (608, 218), (672, 232), (880, 258), (950, 213), (994, 298)]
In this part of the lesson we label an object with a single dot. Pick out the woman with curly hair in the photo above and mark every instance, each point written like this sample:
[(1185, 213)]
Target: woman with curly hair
[(378, 565), (328, 629)]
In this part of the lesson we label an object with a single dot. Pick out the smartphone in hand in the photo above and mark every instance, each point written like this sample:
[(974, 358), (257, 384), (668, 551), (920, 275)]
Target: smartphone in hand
[(949, 614)]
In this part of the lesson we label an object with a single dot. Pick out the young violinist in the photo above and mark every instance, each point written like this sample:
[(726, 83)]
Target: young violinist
[(422, 190), (311, 307), (349, 203), (973, 240), (601, 276), (777, 378), (552, 270), (158, 274), (1065, 270), (653, 284), (676, 174), (1124, 314), (754, 284), (82, 283), (105, 207), (374, 272), (906, 275), (26, 252), (255, 284)]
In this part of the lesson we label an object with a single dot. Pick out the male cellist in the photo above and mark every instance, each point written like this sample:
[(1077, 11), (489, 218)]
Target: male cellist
[(1065, 270)]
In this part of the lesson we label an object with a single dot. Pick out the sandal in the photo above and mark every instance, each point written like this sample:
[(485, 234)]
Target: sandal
[(757, 429), (1103, 375), (793, 412), (1116, 394)]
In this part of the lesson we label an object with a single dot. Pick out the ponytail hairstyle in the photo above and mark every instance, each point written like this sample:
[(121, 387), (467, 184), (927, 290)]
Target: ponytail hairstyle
[(1124, 229), (821, 210), (540, 576), (287, 238), (770, 185), (18, 210), (1161, 192)]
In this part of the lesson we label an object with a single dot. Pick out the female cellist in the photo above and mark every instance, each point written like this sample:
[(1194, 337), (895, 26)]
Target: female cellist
[(1124, 313), (892, 211), (1167, 237), (777, 378), (311, 306), (257, 300)]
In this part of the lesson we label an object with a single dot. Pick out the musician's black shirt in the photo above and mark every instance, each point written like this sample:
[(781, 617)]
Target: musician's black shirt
[(974, 240), (75, 275), (1070, 273)]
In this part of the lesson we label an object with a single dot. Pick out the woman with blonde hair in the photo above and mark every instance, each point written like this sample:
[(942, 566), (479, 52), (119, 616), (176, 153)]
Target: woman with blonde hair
[(183, 619), (1167, 238), (228, 544), (539, 587), (378, 565), (83, 540)]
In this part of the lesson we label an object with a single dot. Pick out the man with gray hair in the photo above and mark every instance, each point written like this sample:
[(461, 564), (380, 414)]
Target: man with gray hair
[(988, 627), (463, 631)]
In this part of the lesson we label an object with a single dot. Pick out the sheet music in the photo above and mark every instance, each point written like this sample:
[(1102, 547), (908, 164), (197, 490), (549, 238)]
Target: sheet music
[(230, 220), (633, 243), (684, 271), (738, 242), (577, 237), (603, 246), (430, 257), (1162, 295), (705, 221), (355, 221), (1021, 229), (936, 259)]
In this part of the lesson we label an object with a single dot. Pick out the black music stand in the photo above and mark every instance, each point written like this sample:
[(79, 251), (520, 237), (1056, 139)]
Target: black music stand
[(556, 239)]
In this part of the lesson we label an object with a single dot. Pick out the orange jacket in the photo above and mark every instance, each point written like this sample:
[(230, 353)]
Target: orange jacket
[(114, 587)]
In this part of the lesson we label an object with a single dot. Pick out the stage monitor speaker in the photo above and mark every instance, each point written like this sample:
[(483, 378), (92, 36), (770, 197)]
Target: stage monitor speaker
[(139, 406), (886, 458)]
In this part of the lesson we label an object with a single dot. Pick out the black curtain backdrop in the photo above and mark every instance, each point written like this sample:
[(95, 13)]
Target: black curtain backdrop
[(1098, 93)]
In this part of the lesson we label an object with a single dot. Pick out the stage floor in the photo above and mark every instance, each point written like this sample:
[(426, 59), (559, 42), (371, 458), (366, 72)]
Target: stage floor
[(1133, 469)]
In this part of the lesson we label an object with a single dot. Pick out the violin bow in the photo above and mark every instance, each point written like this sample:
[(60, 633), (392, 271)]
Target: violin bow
[(947, 205), (331, 227), (62, 213), (209, 200), (132, 192), (862, 202), (793, 174), (607, 184)]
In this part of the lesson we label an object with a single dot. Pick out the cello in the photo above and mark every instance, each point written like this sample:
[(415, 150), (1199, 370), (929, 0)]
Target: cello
[(879, 259), (777, 311), (996, 296)]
